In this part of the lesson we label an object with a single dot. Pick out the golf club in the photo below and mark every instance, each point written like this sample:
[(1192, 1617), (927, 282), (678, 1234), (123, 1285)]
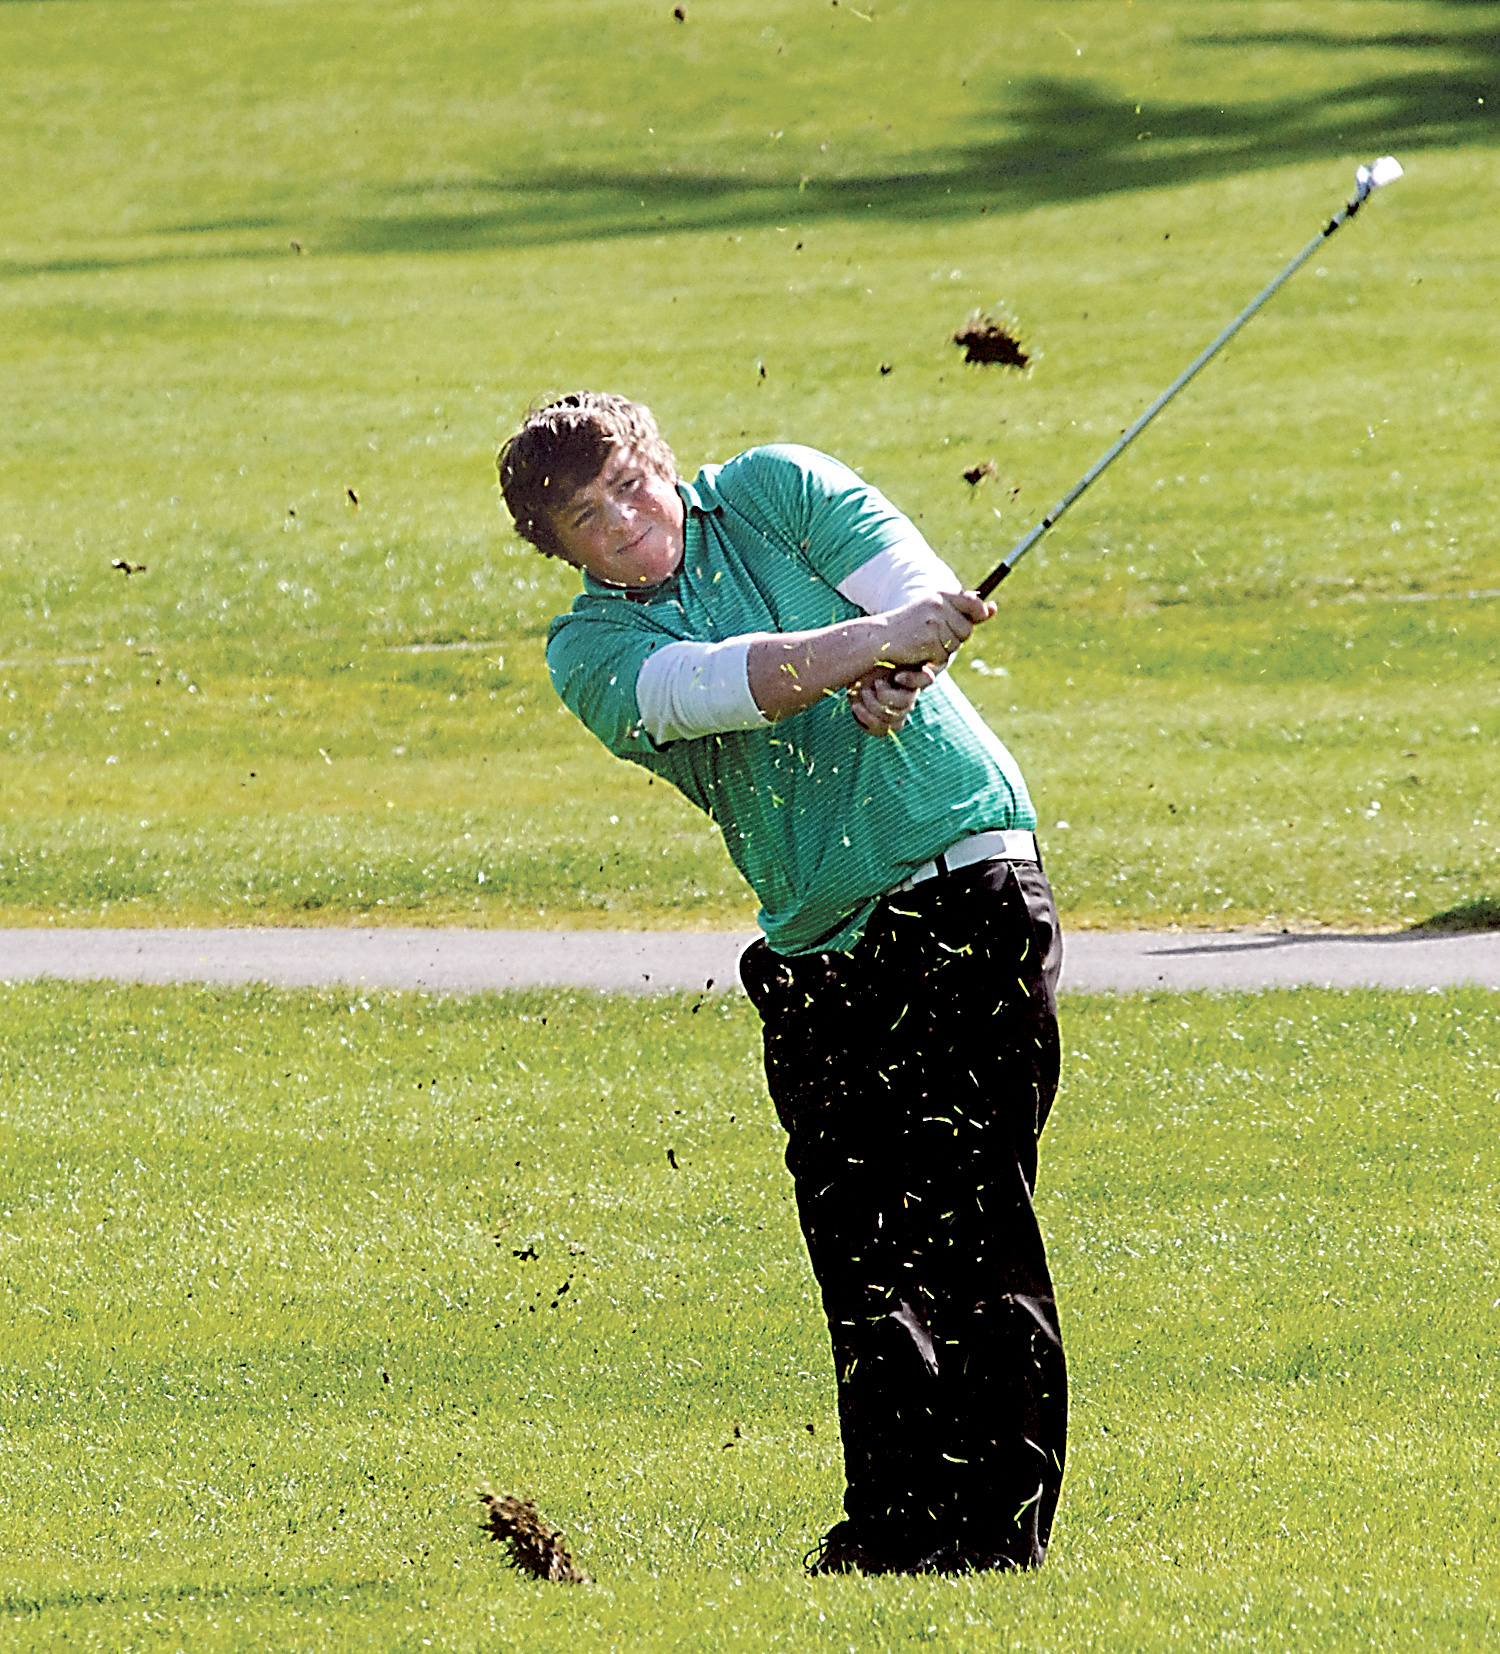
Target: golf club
[(1384, 171)]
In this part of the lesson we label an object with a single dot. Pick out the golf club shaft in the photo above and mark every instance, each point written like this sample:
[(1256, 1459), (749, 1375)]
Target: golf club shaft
[(1023, 545)]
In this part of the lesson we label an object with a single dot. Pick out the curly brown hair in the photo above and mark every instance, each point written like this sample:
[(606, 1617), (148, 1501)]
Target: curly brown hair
[(562, 447)]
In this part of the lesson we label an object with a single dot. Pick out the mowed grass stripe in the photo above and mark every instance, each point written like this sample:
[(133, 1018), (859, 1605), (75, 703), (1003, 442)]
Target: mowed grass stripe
[(284, 1279), (488, 207), (1253, 795)]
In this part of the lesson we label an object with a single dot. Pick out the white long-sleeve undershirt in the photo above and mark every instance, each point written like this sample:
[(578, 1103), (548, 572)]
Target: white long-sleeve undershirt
[(688, 689), (898, 575)]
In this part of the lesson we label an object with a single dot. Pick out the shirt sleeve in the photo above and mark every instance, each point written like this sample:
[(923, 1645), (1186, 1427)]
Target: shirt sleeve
[(688, 689), (594, 664), (898, 575), (818, 508)]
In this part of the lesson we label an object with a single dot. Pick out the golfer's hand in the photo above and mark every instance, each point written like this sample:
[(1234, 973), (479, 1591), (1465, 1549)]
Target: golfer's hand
[(790, 671), (932, 628), (920, 640), (882, 702)]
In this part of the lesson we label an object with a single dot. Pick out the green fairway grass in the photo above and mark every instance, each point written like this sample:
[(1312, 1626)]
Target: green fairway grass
[(286, 1276), (276, 278)]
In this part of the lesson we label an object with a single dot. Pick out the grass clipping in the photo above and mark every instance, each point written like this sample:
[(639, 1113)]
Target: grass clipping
[(536, 1547)]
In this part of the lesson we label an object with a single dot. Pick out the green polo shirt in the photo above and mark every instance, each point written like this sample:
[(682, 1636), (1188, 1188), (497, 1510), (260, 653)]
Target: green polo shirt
[(820, 817)]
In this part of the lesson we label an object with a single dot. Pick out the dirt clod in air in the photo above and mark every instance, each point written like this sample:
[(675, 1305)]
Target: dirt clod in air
[(977, 473), (536, 1547), (985, 340)]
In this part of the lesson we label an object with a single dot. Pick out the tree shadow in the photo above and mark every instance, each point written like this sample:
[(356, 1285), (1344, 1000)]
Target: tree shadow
[(1483, 914), (1056, 142), (1052, 142)]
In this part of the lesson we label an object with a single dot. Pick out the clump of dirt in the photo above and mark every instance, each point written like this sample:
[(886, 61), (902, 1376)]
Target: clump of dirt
[(977, 473), (986, 340), (536, 1547)]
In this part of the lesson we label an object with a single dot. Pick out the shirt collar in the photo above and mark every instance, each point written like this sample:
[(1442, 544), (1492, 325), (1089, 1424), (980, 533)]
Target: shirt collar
[(632, 594), (700, 495)]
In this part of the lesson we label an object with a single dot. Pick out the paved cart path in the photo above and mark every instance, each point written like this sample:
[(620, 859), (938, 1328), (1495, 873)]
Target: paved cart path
[(469, 961)]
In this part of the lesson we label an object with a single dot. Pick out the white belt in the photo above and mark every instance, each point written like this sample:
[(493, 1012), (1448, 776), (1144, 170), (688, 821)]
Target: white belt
[(1010, 844)]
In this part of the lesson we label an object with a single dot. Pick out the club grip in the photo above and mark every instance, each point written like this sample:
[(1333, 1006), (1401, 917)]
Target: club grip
[(992, 579)]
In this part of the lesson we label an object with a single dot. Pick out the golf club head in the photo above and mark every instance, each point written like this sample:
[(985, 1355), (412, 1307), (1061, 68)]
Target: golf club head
[(1375, 176)]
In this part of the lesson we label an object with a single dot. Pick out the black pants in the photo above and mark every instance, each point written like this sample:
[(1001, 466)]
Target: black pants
[(913, 1077)]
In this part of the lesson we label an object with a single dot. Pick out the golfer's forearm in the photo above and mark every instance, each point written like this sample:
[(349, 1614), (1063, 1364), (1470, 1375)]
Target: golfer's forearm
[(792, 670)]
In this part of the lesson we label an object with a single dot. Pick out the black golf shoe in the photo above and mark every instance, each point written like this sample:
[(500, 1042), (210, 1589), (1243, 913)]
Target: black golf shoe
[(844, 1549)]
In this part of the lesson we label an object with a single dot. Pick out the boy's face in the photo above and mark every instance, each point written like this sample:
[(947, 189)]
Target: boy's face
[(625, 527)]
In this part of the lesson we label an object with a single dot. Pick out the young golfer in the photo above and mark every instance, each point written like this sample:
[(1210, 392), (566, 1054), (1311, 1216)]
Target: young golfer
[(772, 638)]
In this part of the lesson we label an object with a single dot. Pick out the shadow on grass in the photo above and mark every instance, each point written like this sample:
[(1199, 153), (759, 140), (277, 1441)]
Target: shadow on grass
[(1055, 141), (1483, 914), (1058, 142), (1471, 918)]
